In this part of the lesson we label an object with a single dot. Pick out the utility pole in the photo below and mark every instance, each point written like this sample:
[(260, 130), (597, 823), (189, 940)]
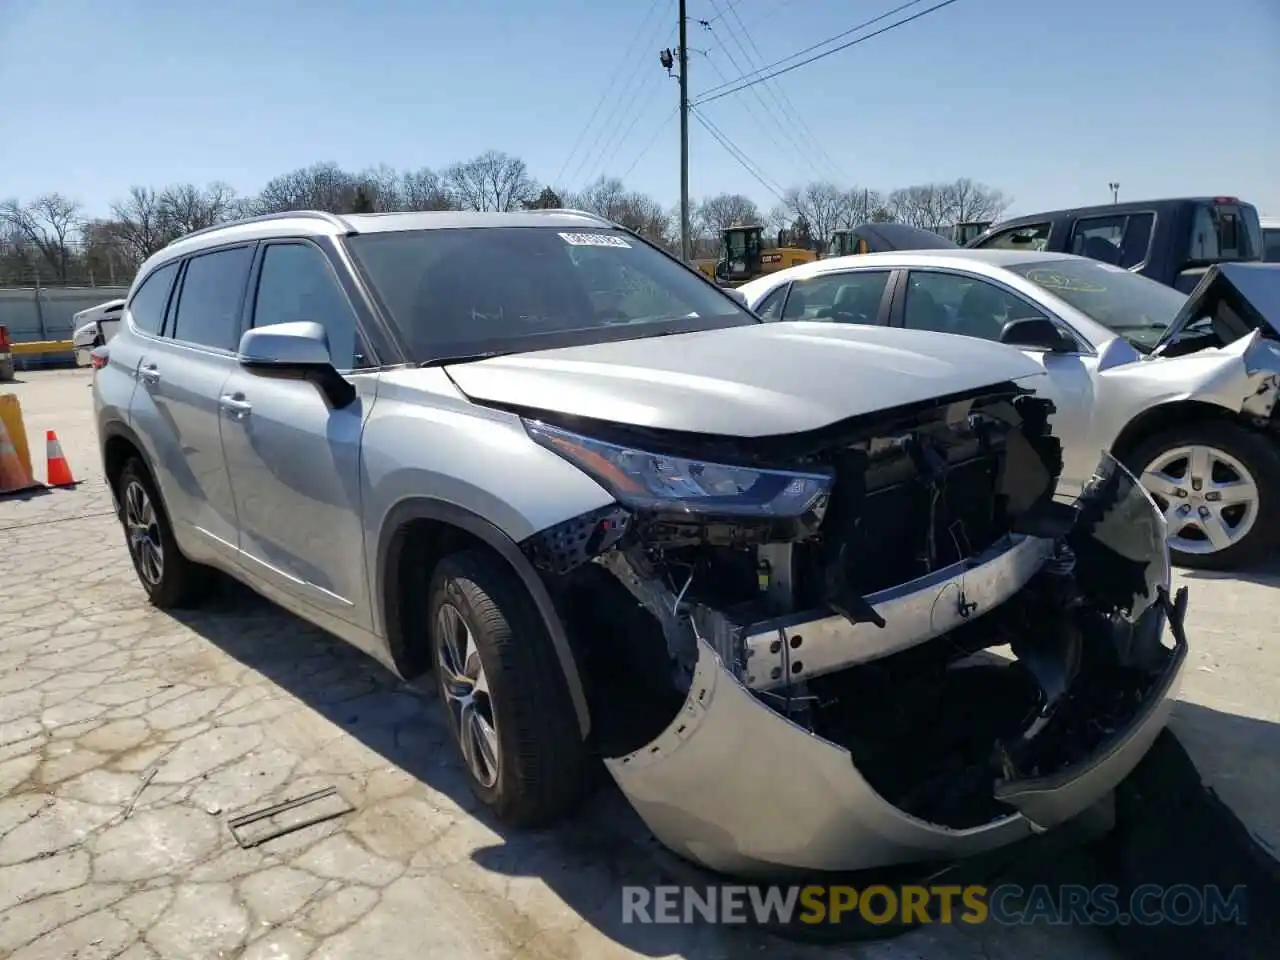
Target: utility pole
[(1115, 192), (679, 59)]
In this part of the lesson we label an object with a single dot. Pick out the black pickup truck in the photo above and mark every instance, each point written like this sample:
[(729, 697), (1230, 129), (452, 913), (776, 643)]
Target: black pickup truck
[(1170, 241)]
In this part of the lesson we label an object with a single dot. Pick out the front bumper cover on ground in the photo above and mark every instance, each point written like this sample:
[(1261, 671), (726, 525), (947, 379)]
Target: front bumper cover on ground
[(739, 788)]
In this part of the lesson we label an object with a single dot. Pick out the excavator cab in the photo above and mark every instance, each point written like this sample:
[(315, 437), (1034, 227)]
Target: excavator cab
[(846, 242), (968, 230), (740, 250)]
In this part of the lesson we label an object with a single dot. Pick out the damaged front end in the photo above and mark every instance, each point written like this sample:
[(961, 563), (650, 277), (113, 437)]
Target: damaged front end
[(878, 643)]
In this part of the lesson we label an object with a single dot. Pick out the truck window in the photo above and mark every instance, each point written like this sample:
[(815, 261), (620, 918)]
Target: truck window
[(1119, 240), (1271, 244), (1032, 236), (1224, 231)]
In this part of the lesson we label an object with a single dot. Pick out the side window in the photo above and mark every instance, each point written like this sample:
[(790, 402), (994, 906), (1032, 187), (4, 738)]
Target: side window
[(1204, 235), (147, 305), (1098, 238), (1271, 245), (960, 304), (208, 310), (771, 306), (1137, 239), (297, 283), (852, 297), (1033, 236)]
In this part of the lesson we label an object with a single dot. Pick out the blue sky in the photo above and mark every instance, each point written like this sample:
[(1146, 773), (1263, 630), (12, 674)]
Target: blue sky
[(1047, 100)]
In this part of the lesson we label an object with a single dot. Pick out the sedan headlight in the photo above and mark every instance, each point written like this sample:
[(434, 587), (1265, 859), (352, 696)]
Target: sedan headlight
[(656, 481)]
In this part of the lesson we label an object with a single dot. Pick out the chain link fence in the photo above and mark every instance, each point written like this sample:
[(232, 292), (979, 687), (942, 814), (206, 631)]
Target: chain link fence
[(73, 264)]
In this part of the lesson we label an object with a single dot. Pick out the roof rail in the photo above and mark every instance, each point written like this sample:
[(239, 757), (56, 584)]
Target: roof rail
[(330, 218), (581, 213)]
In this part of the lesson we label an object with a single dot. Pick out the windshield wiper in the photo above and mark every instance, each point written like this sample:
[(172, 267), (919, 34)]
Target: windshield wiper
[(464, 358)]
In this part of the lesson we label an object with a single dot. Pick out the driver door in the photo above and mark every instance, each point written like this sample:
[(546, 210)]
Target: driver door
[(295, 463), (964, 304)]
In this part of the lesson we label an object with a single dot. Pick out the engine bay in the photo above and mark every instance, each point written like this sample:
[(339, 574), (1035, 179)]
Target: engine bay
[(938, 616)]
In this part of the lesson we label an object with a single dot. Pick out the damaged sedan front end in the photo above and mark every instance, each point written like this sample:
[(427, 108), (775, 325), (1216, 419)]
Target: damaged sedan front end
[(878, 642)]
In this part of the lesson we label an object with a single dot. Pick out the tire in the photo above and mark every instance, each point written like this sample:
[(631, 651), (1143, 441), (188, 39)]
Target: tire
[(179, 583), (1259, 457), (542, 769)]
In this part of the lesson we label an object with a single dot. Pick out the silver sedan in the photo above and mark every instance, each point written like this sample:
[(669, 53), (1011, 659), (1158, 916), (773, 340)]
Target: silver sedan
[(1181, 389)]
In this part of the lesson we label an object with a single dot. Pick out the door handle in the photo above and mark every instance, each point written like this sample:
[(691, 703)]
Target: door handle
[(150, 374), (236, 405)]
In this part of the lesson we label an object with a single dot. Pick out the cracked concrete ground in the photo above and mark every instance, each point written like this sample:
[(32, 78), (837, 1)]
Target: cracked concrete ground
[(127, 737)]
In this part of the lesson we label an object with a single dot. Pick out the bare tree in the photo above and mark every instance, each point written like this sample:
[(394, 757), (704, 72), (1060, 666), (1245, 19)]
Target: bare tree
[(821, 205), (187, 208), (48, 223), (859, 205), (322, 186), (974, 201), (715, 214), (927, 206), (424, 190), (140, 224), (608, 197), (491, 181)]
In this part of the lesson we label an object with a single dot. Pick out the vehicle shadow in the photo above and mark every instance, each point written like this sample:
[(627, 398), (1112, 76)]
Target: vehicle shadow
[(586, 861), (1266, 574), (1170, 829)]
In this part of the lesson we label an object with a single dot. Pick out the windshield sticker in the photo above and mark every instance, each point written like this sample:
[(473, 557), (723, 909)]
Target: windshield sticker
[(1052, 280), (594, 240)]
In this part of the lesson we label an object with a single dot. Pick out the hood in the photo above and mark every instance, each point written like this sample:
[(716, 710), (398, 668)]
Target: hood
[(756, 381), (1239, 298)]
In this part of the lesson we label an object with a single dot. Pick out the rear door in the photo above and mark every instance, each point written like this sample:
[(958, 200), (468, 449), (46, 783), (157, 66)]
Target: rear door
[(851, 296), (175, 407), (965, 304)]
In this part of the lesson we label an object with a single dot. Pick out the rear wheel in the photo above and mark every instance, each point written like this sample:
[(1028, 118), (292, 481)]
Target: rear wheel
[(505, 697), (1218, 485), (168, 577)]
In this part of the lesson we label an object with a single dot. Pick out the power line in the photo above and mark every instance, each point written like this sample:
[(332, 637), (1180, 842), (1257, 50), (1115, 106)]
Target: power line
[(768, 72), (650, 144), (779, 96), (738, 155), (639, 42)]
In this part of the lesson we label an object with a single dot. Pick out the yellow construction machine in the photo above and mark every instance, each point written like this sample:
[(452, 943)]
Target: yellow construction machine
[(744, 256)]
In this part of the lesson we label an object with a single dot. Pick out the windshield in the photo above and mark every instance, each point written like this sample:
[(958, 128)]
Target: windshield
[(1136, 308), (456, 293)]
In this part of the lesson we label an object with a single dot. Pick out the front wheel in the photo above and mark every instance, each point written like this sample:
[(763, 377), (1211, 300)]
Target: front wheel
[(506, 700), (1218, 485)]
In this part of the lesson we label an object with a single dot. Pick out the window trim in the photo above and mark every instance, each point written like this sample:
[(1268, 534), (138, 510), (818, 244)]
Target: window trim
[(1151, 238), (781, 291), (1083, 347), (886, 295), (171, 316), (363, 347), (127, 309), (1048, 237)]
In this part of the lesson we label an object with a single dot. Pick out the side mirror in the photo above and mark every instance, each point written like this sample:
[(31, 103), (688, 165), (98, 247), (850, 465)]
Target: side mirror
[(1038, 333), (738, 296), (295, 351)]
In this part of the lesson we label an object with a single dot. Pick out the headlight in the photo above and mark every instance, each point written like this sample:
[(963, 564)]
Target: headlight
[(656, 481)]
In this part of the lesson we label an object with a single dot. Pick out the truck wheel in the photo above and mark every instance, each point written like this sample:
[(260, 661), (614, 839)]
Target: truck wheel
[(1218, 484), (169, 578), (505, 697)]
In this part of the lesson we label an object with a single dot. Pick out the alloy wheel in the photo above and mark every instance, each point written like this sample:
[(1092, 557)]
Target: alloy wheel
[(465, 689), (1209, 498), (143, 531)]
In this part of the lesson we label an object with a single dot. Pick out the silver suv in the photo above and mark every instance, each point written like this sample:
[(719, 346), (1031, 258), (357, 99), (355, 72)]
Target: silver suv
[(753, 567)]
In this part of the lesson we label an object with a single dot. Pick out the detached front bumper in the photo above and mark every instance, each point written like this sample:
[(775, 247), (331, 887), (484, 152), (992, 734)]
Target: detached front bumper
[(736, 786)]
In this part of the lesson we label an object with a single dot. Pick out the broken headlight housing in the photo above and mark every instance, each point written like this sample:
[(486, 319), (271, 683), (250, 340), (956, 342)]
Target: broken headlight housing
[(654, 481)]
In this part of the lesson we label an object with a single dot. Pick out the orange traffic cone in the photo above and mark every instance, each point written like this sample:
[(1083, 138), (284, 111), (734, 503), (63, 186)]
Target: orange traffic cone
[(59, 472), (14, 476)]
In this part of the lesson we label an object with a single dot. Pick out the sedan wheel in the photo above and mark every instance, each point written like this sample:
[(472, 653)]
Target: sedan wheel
[(465, 688), (1210, 499), (143, 530)]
